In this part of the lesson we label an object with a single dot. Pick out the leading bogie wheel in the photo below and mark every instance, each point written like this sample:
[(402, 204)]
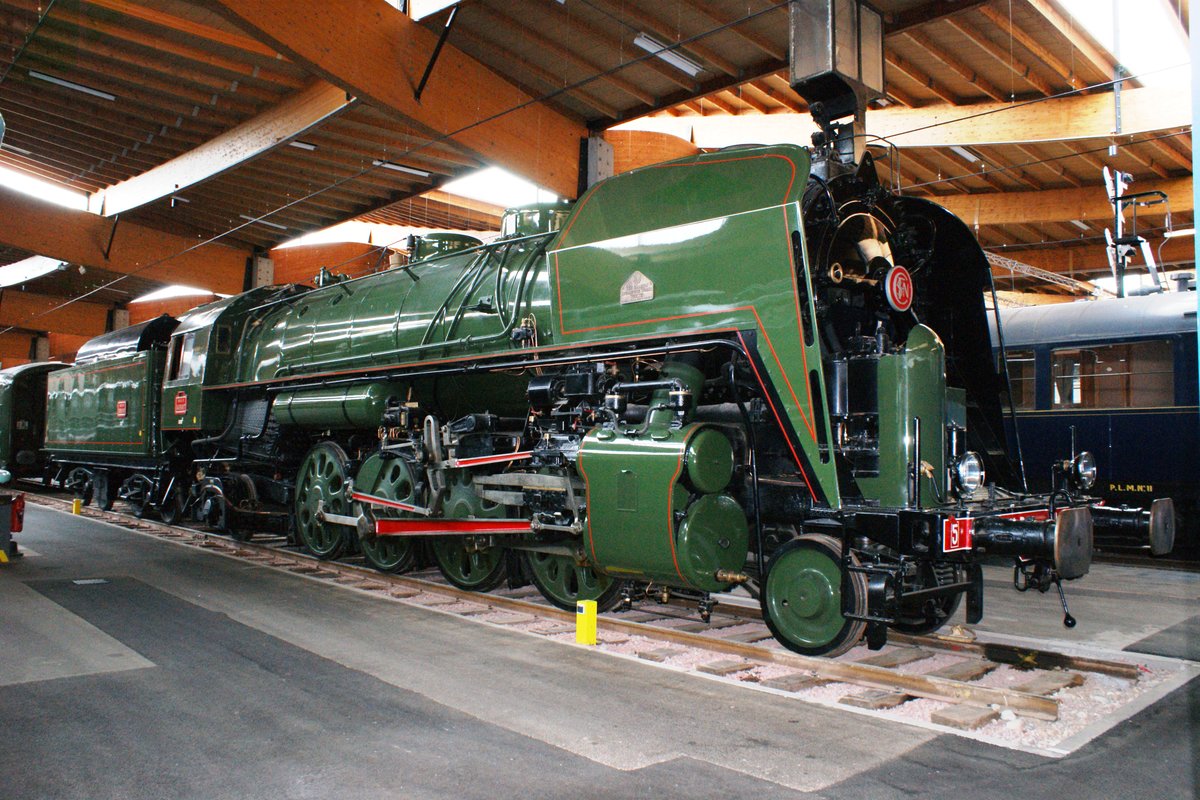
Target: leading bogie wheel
[(172, 505), (322, 485), (564, 582), (802, 597)]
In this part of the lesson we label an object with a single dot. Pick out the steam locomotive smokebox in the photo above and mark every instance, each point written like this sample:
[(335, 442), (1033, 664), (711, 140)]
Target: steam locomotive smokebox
[(656, 509)]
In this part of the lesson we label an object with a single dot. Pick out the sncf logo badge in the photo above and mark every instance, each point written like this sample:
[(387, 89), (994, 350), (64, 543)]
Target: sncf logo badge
[(122, 409), (898, 287), (956, 534)]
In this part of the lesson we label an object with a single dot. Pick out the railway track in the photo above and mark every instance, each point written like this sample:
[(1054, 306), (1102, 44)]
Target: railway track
[(734, 644)]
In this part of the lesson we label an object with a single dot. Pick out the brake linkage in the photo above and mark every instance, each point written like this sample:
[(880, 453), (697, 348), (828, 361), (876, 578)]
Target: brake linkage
[(1038, 575)]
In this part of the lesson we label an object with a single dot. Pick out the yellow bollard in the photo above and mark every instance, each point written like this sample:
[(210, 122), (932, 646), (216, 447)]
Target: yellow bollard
[(585, 622), (77, 506)]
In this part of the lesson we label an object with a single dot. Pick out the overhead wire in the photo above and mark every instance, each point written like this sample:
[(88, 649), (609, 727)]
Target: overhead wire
[(533, 100)]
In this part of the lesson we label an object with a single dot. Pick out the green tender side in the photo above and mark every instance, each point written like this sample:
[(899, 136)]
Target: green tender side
[(23, 415), (704, 244), (912, 385), (106, 407)]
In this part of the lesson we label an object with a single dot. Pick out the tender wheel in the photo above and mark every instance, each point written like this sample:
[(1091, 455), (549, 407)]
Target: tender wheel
[(393, 480), (564, 582), (918, 618), (802, 597), (322, 482), (171, 509), (103, 491), (469, 562)]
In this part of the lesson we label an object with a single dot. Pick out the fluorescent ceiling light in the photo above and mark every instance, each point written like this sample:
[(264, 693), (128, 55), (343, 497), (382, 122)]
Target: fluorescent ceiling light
[(1179, 232), (169, 292), (1083, 226), (401, 168), (965, 153), (41, 189), (29, 269), (677, 60), (79, 87), (249, 218), (19, 150), (302, 145)]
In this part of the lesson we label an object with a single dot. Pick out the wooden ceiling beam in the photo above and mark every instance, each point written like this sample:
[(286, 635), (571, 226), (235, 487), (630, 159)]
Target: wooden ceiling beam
[(78, 237), (1019, 68), (195, 30), (968, 73), (53, 38), (970, 169), (1091, 259), (720, 102), (31, 310), (903, 97), (927, 13), (210, 58), (732, 26), (912, 71), (551, 80), (306, 109), (1101, 60), (1062, 205), (1090, 116), (136, 83), (754, 97), (1166, 149), (1054, 167), (382, 63), (1056, 64), (1146, 162), (651, 24)]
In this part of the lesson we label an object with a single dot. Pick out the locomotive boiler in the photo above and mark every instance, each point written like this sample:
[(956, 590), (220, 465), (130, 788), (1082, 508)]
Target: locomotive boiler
[(718, 372)]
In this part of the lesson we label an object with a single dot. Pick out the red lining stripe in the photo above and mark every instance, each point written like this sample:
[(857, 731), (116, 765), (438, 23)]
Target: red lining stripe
[(462, 527)]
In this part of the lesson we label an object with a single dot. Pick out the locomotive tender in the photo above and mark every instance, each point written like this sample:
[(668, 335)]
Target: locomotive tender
[(717, 372)]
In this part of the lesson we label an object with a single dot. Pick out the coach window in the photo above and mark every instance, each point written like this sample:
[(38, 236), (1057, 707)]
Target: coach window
[(1135, 375), (1022, 376)]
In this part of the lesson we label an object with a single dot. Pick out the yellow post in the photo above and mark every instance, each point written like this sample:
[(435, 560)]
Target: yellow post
[(3, 556), (77, 506), (585, 622)]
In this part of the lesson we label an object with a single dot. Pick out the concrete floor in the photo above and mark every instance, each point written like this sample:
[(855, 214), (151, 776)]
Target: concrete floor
[(189, 675)]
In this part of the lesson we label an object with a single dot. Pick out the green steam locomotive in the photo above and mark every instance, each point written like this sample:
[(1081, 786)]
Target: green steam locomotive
[(715, 373)]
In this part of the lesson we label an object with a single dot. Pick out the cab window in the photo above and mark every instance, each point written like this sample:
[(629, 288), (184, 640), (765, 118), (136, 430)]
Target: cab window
[(186, 362)]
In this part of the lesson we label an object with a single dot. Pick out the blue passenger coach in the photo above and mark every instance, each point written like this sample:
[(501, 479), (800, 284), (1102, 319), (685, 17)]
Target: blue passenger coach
[(1122, 375)]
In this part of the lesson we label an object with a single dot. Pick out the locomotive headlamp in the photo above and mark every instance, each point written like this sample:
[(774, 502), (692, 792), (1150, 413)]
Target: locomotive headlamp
[(969, 473), (1083, 470)]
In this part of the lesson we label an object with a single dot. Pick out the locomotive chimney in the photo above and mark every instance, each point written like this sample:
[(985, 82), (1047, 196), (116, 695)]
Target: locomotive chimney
[(836, 57)]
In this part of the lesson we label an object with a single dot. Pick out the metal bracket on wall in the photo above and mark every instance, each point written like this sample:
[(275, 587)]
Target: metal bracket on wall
[(111, 236), (437, 50)]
